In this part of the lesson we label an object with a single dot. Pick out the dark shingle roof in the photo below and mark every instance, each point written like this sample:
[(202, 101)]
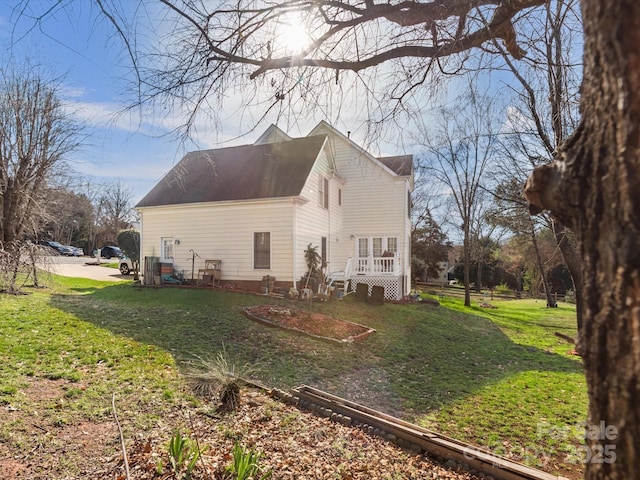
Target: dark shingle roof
[(238, 173), (400, 164)]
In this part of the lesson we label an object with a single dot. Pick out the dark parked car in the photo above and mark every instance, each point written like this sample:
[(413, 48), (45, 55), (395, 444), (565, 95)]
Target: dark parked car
[(58, 247), (108, 251)]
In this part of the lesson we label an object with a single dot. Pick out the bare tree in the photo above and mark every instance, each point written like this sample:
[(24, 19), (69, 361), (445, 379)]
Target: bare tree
[(545, 111), (36, 133), (458, 154), (198, 56), (591, 187), (114, 210)]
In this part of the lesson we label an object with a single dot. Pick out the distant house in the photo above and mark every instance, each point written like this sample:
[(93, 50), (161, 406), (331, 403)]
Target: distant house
[(257, 207), (443, 276)]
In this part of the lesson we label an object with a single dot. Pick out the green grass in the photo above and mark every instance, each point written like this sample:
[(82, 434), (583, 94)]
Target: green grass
[(491, 377)]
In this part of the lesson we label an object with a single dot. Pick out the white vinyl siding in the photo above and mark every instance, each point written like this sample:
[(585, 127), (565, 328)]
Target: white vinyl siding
[(348, 196), (224, 232), (374, 204), (314, 221)]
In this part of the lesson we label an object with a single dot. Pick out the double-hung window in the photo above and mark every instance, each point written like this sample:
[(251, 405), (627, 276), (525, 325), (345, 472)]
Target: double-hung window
[(166, 246), (262, 250), (323, 191)]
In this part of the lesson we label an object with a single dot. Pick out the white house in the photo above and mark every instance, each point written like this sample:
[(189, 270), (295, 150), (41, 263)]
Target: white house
[(257, 207)]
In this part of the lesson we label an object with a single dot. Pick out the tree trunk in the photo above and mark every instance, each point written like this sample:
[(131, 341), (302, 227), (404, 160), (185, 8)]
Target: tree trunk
[(467, 266), (592, 187), (547, 291)]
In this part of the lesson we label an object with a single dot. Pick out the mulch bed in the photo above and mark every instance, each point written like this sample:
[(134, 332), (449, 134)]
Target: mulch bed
[(317, 325)]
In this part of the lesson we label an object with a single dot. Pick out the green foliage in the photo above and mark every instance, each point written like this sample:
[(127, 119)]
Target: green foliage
[(184, 453), (312, 258), (429, 247), (129, 242), (467, 367), (503, 289), (245, 465)]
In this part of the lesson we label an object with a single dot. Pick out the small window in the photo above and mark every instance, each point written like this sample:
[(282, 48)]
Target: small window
[(340, 196), (323, 192), (262, 250), (167, 249)]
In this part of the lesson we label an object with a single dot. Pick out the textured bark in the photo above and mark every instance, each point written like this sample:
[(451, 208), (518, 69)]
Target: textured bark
[(593, 188)]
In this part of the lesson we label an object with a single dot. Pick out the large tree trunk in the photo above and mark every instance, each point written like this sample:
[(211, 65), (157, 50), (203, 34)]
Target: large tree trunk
[(547, 291), (593, 188), (466, 251)]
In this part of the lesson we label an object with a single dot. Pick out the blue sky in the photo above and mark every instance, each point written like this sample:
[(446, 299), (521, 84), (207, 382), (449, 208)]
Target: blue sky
[(77, 45)]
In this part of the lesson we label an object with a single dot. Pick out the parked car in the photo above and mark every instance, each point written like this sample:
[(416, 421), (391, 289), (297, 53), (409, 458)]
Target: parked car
[(108, 251), (125, 266), (58, 247), (77, 251)]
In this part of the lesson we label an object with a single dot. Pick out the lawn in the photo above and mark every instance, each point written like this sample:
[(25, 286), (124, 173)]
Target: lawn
[(499, 378)]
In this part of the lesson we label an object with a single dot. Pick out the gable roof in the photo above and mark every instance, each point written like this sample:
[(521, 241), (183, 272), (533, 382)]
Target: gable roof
[(271, 135), (401, 164), (238, 173)]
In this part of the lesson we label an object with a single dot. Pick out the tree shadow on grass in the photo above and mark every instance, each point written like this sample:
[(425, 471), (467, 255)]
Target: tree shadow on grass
[(420, 359)]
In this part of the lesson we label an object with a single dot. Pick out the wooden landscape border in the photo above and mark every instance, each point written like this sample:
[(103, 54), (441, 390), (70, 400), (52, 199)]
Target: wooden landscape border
[(341, 341)]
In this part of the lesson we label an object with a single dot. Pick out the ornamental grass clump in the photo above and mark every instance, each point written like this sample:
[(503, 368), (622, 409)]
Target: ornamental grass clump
[(220, 378)]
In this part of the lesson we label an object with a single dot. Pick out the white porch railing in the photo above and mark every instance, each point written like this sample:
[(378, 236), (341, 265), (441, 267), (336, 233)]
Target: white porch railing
[(378, 266)]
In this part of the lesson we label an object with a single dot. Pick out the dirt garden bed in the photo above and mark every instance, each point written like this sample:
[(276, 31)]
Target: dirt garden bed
[(317, 325)]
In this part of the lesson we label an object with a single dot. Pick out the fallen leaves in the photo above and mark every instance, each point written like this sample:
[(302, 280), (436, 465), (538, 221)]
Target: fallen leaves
[(294, 444)]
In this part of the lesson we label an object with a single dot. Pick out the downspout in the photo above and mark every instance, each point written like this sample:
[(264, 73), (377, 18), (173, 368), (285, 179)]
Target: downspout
[(407, 240), (295, 242), (141, 263), (329, 239)]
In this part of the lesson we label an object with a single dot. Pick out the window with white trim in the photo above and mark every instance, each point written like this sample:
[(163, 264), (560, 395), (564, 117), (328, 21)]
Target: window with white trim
[(363, 247), (323, 191), (262, 250), (166, 246), (392, 244), (377, 246)]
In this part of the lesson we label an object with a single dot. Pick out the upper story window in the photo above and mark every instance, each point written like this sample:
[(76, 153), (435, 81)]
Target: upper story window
[(323, 191)]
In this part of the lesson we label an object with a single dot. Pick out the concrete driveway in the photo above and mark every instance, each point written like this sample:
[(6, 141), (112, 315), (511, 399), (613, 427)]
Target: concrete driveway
[(83, 267)]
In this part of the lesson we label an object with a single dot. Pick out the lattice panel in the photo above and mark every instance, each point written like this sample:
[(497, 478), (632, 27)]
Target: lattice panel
[(392, 285)]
